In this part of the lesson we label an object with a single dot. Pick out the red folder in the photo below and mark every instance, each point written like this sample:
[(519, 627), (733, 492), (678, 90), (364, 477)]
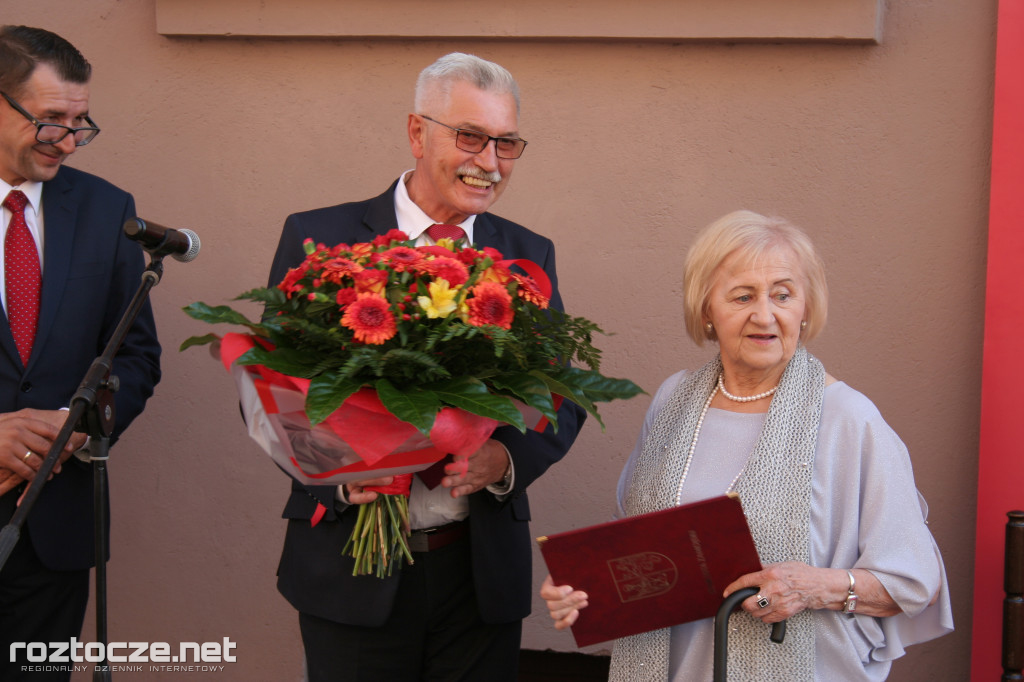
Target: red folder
[(654, 570)]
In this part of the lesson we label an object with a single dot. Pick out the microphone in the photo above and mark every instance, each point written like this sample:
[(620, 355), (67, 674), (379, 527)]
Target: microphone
[(182, 245)]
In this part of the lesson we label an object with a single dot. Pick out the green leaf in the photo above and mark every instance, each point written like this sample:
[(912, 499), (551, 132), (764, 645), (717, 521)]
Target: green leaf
[(317, 307), (598, 387), (198, 341), (360, 359), (284, 360), (570, 392), (271, 296), (416, 406), (217, 314), (532, 391), (471, 395), (411, 365), (326, 394)]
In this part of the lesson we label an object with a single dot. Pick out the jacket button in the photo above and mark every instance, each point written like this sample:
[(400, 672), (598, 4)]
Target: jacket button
[(26, 386)]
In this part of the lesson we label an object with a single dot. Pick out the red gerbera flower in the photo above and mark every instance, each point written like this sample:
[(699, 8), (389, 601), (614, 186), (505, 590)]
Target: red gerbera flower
[(370, 318), (446, 268), (401, 258), (490, 304), (529, 291), (336, 269)]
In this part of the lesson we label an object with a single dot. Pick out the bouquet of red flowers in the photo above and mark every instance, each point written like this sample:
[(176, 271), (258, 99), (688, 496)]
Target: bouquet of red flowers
[(446, 341)]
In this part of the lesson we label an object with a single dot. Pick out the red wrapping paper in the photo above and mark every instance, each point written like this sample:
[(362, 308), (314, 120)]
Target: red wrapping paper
[(359, 440)]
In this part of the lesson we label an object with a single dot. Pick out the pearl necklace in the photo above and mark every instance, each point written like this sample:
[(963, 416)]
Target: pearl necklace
[(693, 445), (696, 435), (743, 399)]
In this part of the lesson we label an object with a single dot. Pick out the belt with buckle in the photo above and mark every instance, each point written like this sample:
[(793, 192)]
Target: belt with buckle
[(429, 539)]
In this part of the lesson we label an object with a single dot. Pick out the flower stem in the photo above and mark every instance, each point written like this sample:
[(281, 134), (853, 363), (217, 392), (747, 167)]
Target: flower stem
[(379, 537)]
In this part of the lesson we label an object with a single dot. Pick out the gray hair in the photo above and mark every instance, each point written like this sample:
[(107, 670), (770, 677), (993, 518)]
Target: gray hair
[(436, 80)]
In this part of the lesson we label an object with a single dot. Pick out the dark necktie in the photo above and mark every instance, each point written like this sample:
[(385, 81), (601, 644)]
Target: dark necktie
[(21, 276), (443, 231)]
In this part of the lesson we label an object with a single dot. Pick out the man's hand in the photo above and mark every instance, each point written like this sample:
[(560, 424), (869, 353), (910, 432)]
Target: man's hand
[(356, 493), (484, 467), (9, 480), (26, 437)]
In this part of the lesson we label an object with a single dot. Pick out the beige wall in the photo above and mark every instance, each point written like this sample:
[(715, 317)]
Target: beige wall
[(880, 151)]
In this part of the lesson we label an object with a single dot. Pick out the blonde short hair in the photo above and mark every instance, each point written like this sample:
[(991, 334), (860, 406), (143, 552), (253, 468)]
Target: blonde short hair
[(753, 236)]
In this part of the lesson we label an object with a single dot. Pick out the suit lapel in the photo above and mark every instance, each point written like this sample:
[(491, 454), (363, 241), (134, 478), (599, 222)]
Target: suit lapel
[(7, 340), (485, 234), (380, 212), (59, 226)]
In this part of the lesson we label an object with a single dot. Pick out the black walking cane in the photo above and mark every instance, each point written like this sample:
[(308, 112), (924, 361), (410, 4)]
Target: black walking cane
[(722, 630)]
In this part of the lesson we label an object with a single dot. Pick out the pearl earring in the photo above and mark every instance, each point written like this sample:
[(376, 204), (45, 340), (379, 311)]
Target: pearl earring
[(803, 324), (710, 327)]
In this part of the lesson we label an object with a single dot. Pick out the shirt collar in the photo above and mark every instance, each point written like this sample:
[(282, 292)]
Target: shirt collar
[(411, 218), (32, 190)]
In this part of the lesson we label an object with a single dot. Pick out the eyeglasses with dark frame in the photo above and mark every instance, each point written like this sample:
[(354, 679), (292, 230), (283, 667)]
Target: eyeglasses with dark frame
[(53, 133), (475, 141)]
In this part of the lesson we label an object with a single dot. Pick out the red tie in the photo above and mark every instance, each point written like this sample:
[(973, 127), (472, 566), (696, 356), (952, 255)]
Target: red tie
[(21, 276), (432, 475), (443, 231)]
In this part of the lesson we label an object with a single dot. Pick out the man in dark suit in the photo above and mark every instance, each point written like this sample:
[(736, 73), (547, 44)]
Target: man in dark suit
[(68, 274), (456, 613)]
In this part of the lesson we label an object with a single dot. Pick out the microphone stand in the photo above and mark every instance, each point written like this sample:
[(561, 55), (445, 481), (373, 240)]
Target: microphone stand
[(91, 412)]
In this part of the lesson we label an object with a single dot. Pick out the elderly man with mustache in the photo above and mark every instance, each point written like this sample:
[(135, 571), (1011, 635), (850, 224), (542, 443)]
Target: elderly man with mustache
[(456, 613)]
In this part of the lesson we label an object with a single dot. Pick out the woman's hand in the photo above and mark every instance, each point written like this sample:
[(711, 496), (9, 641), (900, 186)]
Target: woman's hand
[(793, 586), (564, 603), (790, 588)]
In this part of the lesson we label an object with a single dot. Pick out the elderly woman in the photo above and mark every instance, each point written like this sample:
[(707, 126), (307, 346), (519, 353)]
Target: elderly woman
[(825, 483)]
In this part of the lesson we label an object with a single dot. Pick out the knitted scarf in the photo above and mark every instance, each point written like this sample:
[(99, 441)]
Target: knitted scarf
[(775, 491)]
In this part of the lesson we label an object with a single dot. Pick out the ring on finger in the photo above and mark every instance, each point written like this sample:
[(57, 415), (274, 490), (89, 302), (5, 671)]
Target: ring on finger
[(27, 455), (763, 601)]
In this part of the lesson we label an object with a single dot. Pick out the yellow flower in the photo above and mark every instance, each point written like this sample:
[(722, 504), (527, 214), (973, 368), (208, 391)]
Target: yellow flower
[(441, 302)]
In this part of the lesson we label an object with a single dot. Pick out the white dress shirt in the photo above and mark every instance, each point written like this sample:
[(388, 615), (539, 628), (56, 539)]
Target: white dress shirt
[(33, 191)]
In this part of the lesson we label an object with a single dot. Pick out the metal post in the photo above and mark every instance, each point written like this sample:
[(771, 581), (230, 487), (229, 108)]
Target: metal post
[(1013, 604)]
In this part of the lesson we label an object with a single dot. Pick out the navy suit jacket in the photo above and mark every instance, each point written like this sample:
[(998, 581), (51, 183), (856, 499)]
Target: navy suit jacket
[(91, 271), (313, 575)]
